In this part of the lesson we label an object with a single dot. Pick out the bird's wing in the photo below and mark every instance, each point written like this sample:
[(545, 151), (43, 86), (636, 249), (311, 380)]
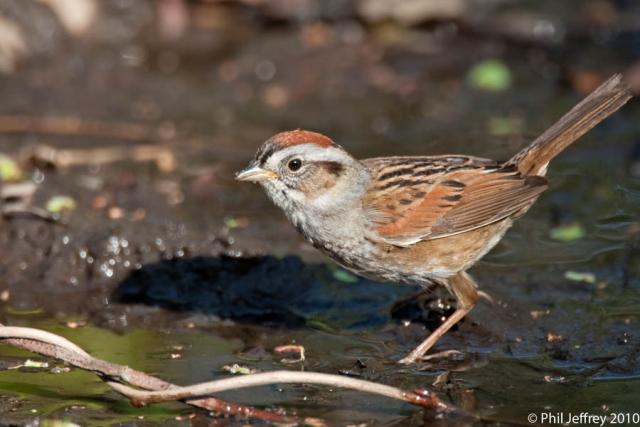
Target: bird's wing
[(421, 198)]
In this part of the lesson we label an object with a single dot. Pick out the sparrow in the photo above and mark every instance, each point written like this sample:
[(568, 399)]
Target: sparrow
[(418, 220)]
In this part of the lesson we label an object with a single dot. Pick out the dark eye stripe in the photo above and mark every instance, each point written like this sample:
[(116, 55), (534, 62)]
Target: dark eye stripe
[(334, 168), (263, 156)]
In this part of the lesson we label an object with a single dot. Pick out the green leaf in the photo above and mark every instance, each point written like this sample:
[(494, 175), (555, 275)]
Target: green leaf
[(35, 364), (60, 204), (231, 222), (322, 325), (344, 276), (504, 126), (58, 423), (9, 169), (577, 276), (568, 232), (491, 75)]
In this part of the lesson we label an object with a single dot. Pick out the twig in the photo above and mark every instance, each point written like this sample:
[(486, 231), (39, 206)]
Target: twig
[(19, 210), (35, 340), (52, 345), (163, 157), (72, 126), (15, 199), (20, 190), (422, 398), (122, 131)]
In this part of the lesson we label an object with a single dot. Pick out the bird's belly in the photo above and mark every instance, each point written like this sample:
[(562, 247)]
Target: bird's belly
[(447, 256), (358, 256), (366, 260), (423, 263)]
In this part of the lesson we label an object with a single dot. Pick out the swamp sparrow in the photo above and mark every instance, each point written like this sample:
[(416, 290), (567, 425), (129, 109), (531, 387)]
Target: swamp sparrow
[(418, 220)]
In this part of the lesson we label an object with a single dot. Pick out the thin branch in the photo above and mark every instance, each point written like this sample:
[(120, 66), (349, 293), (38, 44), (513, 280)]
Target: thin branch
[(66, 352), (163, 157), (423, 398), (73, 126), (120, 131), (52, 345)]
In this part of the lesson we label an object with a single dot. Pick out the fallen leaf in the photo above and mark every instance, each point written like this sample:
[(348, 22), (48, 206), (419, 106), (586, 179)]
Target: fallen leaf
[(536, 314), (568, 232), (291, 348), (554, 379), (61, 204), (58, 423), (505, 126), (551, 337), (31, 364), (9, 169), (116, 212), (344, 276), (577, 276), (490, 75), (236, 369)]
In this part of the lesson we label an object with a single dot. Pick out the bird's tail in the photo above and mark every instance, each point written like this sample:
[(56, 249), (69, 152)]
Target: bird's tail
[(600, 104)]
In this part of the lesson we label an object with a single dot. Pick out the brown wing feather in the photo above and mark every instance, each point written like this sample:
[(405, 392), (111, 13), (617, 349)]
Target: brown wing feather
[(433, 197)]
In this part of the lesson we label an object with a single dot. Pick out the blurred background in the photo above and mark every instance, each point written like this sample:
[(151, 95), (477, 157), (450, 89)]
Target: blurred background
[(122, 123)]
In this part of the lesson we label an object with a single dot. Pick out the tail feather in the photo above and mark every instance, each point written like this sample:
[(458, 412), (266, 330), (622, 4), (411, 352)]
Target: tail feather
[(596, 107)]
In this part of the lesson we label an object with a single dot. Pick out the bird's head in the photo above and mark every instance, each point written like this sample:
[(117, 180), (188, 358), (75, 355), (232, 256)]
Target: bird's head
[(305, 169)]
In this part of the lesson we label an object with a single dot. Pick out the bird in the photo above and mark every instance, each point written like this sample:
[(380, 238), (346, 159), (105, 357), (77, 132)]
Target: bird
[(417, 220)]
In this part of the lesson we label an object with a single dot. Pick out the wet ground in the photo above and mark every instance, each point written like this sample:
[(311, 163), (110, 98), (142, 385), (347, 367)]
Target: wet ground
[(173, 268)]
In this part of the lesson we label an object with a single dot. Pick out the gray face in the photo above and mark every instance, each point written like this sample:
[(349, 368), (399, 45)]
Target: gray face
[(305, 176), (305, 172)]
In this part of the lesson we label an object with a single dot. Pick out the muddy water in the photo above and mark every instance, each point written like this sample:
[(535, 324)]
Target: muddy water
[(181, 272)]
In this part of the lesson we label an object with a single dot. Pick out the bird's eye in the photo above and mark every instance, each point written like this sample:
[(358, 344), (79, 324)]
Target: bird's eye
[(294, 164)]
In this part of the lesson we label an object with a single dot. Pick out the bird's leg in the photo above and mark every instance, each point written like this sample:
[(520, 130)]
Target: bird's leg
[(465, 290)]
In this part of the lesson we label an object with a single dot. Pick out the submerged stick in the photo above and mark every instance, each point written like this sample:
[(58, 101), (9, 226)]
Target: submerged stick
[(157, 390), (422, 398), (54, 346)]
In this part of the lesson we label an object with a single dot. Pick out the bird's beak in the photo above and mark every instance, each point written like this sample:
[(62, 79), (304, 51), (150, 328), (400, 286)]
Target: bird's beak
[(254, 173)]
